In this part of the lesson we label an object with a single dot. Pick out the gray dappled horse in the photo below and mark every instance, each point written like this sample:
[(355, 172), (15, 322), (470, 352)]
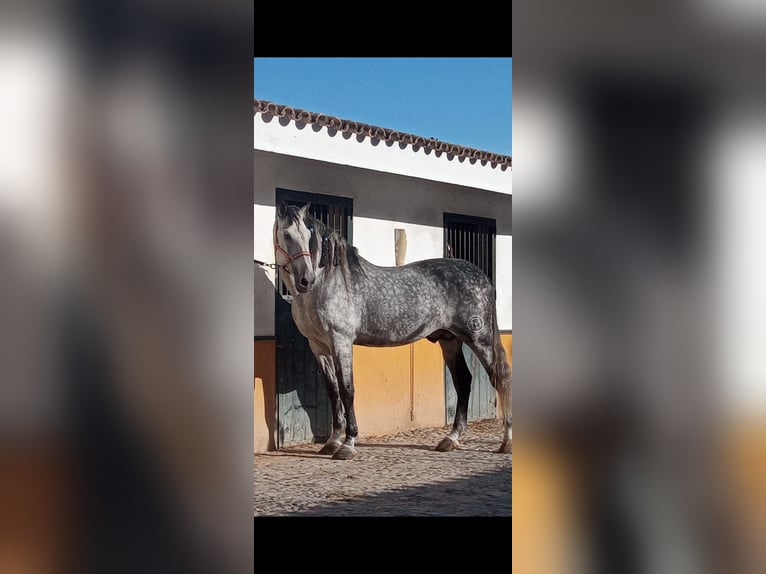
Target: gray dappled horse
[(340, 299)]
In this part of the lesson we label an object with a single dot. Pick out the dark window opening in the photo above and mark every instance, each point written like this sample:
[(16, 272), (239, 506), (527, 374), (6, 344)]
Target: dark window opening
[(472, 239)]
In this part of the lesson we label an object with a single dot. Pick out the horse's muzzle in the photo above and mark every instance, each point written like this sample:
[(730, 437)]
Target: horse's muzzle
[(303, 285)]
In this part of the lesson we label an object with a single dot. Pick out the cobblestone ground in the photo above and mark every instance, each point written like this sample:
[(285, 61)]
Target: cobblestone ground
[(392, 475)]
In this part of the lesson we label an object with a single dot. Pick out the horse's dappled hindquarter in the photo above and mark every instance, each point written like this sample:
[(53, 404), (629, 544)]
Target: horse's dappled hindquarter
[(351, 301)]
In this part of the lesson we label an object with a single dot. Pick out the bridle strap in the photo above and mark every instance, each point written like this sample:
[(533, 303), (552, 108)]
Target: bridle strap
[(290, 258)]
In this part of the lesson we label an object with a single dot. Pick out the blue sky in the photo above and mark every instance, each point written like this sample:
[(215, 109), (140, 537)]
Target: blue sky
[(465, 101)]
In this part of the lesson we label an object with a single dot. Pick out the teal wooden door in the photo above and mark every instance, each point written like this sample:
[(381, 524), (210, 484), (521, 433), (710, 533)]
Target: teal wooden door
[(303, 408), (482, 404), (472, 239)]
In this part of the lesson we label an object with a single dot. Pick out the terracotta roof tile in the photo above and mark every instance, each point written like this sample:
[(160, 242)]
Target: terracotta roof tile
[(383, 134)]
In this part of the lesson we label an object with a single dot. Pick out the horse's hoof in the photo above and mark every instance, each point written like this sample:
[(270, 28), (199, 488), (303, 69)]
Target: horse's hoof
[(447, 444), (330, 448), (344, 453), (505, 447)]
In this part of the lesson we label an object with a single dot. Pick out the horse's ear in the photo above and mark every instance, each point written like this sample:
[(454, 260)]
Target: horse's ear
[(304, 211), (282, 209)]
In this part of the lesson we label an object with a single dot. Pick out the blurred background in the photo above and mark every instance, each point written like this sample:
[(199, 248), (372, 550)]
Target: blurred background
[(126, 305), (126, 281), (639, 282)]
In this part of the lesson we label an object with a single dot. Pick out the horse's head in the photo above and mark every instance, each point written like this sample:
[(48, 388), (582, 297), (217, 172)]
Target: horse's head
[(292, 242)]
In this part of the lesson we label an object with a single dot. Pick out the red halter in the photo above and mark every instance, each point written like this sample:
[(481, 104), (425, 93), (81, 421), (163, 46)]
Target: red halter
[(290, 258)]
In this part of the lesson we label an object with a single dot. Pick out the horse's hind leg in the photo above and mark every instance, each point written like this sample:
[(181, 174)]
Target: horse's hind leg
[(452, 350), (493, 358), (327, 365)]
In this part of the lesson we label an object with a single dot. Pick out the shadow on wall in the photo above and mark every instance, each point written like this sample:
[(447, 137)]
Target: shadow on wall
[(301, 388), (300, 391), (264, 297), (264, 361)]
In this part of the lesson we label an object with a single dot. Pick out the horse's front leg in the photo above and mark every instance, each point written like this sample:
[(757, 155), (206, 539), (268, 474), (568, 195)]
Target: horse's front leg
[(327, 365), (343, 358)]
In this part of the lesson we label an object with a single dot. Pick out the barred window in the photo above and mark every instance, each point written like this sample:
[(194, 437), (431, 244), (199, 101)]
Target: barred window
[(471, 238)]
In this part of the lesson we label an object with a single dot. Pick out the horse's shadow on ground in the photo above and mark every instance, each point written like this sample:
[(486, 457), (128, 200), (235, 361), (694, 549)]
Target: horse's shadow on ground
[(291, 451), (397, 445), (472, 445), (311, 454), (483, 494)]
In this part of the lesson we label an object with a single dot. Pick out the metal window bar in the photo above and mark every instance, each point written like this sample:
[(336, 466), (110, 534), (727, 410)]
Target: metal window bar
[(472, 239)]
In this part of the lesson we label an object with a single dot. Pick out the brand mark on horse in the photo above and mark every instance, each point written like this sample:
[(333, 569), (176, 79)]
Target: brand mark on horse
[(475, 323)]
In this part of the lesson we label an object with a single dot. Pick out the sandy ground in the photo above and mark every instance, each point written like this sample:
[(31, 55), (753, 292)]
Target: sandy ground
[(392, 475)]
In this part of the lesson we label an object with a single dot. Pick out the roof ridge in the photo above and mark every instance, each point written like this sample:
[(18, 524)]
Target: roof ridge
[(385, 134)]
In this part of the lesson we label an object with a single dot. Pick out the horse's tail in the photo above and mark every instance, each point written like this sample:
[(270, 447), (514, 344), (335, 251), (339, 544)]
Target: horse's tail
[(498, 352), (501, 370)]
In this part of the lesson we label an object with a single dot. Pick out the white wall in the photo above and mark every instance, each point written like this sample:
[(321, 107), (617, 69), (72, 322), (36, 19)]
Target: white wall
[(263, 250), (375, 240), (387, 157), (504, 280)]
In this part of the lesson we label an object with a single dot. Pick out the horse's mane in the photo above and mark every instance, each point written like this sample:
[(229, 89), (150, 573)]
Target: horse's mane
[(335, 250)]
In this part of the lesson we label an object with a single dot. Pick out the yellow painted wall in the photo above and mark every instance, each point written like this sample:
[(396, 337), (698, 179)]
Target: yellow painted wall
[(548, 483), (264, 396), (507, 339), (741, 451), (428, 387), (396, 388), (382, 383), (544, 487)]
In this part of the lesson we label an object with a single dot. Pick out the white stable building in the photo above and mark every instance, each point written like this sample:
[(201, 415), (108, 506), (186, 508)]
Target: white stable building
[(397, 198)]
